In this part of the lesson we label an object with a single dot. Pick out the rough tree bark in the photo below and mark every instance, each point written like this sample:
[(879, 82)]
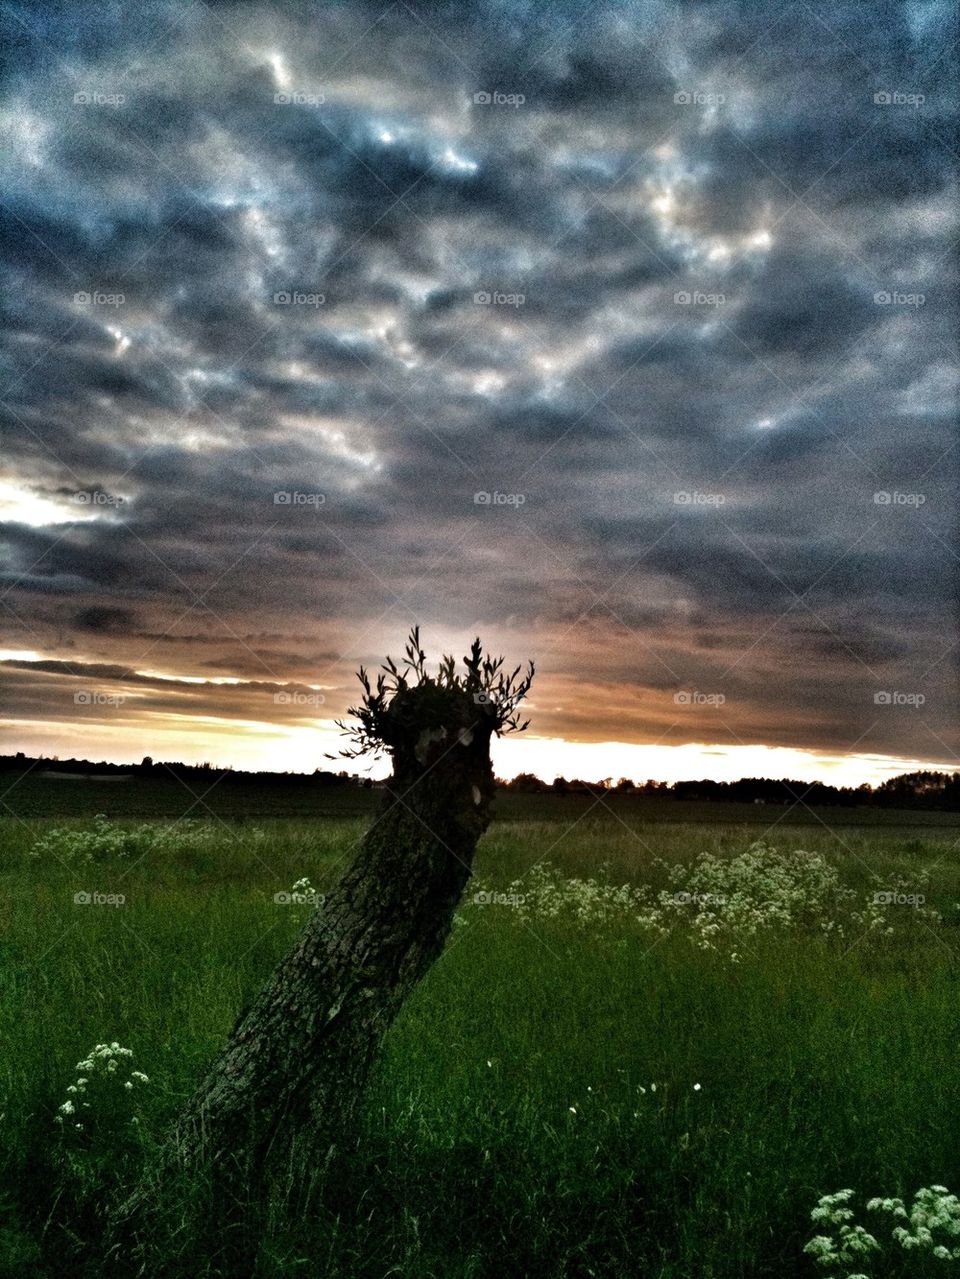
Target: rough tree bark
[(297, 1060), (293, 1070)]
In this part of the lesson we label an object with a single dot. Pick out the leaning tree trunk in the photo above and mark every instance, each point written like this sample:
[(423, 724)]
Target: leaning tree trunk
[(289, 1078)]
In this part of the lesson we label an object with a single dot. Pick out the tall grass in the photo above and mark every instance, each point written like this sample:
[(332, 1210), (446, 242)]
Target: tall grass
[(512, 1127)]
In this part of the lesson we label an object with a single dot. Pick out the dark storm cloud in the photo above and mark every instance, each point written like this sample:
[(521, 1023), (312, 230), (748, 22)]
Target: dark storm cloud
[(77, 686), (102, 618), (285, 295)]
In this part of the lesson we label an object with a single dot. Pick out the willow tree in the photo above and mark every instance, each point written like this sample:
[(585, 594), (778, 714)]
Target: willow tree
[(286, 1084)]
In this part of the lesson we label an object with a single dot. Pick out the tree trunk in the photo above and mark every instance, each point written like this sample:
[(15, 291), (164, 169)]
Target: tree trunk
[(289, 1078)]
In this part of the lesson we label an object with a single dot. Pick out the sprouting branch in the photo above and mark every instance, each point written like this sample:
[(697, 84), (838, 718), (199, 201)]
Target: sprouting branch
[(493, 694)]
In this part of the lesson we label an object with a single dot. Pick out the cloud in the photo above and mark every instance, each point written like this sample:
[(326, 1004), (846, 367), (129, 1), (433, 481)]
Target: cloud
[(286, 294)]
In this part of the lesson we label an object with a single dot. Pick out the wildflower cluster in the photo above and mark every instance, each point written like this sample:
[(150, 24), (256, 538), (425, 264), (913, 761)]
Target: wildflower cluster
[(931, 1229), (101, 1093), (544, 893), (302, 893), (847, 1245), (105, 841), (723, 899), (719, 902), (102, 841), (932, 1224)]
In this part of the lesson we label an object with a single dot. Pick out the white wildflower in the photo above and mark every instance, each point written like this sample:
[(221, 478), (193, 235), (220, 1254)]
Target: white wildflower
[(107, 1076)]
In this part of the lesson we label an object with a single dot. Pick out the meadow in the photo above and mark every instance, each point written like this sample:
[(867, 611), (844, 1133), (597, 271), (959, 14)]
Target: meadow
[(650, 1048)]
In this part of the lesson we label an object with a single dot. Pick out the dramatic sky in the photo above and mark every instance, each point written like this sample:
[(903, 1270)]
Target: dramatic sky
[(673, 284)]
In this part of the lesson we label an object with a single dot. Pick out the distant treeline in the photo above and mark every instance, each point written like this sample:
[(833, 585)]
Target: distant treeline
[(929, 790), (159, 770), (925, 789)]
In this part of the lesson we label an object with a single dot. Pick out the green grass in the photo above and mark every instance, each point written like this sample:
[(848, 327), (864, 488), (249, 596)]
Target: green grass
[(821, 1064), (234, 797)]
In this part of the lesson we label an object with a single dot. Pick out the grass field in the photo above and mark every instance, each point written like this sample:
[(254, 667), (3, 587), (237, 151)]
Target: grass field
[(235, 797), (588, 1083)]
